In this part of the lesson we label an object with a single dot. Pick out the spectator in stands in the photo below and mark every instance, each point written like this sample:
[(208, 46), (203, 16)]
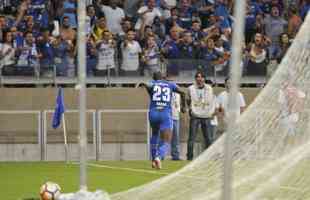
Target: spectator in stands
[(226, 38), (131, 51), (27, 57), (69, 10), (47, 54), (71, 55), (196, 32), (189, 55), (18, 38), (55, 10), (36, 9), (159, 29), (222, 12), (171, 52), (201, 18), (147, 14), (294, 21), (259, 25), (68, 34), (2, 27), (281, 50), (92, 18), (185, 13), (210, 56), (99, 28), (126, 26), (61, 51), (106, 55), (66, 31), (257, 55), (92, 57), (205, 12), (30, 27), (173, 20), (251, 13), (265, 6), (114, 16), (221, 64), (275, 25), (151, 57), (7, 54), (202, 104)]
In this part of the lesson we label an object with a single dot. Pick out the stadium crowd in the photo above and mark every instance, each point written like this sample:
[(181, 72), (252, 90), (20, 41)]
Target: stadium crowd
[(137, 38)]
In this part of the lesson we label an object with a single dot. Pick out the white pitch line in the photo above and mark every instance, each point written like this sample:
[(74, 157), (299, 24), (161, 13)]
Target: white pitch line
[(143, 171), (128, 169)]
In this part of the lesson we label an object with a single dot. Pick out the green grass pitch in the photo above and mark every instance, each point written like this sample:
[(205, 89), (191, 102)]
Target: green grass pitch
[(22, 180)]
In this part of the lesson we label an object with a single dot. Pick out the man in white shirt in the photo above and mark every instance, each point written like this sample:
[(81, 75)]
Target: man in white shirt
[(175, 141), (106, 55), (223, 102), (114, 16), (148, 13), (202, 104), (130, 53)]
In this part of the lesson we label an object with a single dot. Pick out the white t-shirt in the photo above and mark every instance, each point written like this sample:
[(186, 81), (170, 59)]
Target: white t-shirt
[(149, 16), (176, 106), (171, 3), (8, 59), (222, 100), (114, 18), (105, 57), (131, 56), (203, 102)]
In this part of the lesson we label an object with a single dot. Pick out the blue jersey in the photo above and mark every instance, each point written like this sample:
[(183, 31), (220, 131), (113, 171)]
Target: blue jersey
[(160, 113), (161, 94)]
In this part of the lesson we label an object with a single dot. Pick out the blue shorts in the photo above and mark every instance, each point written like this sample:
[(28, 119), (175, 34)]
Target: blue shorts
[(161, 120)]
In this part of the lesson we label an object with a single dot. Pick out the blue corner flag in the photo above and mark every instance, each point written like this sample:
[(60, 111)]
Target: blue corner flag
[(59, 109)]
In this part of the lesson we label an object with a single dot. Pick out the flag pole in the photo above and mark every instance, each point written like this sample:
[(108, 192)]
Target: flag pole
[(65, 138)]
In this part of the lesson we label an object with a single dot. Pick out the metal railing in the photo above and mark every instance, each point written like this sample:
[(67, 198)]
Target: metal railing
[(45, 125), (99, 120)]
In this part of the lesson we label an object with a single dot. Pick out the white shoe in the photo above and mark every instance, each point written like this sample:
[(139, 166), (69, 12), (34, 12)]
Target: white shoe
[(157, 163)]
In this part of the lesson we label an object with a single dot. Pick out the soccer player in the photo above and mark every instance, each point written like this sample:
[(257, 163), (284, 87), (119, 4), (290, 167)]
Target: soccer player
[(160, 115)]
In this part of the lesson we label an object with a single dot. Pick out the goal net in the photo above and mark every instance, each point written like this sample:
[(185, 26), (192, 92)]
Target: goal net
[(270, 144)]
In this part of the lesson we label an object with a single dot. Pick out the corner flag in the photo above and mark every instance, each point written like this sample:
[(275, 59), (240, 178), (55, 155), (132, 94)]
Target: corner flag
[(59, 109)]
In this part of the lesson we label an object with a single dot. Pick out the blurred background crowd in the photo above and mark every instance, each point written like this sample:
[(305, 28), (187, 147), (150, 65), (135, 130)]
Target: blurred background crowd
[(139, 37)]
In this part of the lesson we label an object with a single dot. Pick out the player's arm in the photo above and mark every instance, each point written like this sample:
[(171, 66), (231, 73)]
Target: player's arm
[(183, 99), (146, 86)]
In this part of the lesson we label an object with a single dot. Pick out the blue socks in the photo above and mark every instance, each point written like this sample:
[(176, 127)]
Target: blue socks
[(154, 146), (163, 149)]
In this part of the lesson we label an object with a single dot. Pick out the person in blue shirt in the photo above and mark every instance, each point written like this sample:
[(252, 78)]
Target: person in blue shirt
[(160, 115)]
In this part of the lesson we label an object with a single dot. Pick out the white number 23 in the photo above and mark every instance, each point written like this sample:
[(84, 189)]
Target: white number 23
[(161, 93)]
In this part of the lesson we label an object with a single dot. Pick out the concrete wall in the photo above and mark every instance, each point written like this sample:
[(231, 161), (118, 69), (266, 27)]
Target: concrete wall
[(123, 135)]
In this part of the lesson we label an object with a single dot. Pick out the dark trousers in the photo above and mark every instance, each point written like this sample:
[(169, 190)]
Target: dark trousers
[(207, 131)]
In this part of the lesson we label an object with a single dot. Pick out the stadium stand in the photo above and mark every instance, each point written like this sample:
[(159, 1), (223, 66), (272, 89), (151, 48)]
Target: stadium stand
[(129, 39)]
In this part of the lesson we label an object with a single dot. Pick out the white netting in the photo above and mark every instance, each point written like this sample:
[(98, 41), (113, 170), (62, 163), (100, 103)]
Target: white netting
[(271, 144)]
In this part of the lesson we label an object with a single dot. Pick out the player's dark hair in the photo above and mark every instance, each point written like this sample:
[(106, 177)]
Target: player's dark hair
[(157, 76)]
